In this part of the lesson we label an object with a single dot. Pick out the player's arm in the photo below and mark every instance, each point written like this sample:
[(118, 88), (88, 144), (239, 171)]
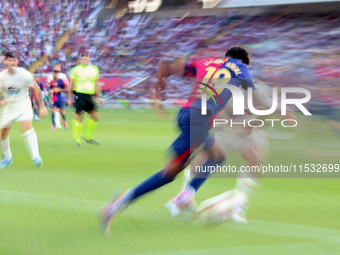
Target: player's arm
[(3, 102), (70, 92), (99, 93), (65, 80), (165, 68), (63, 90), (64, 87), (37, 91), (98, 89), (73, 78)]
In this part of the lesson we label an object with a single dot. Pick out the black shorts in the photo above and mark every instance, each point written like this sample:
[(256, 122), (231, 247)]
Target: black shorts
[(84, 102)]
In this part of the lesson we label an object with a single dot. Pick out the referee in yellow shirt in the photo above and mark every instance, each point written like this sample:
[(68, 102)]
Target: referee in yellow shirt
[(84, 86)]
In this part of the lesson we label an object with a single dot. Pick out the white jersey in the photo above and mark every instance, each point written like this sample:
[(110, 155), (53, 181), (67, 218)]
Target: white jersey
[(240, 138), (61, 76), (263, 102), (15, 87)]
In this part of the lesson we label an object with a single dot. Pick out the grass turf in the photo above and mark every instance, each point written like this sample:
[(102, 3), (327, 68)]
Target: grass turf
[(51, 210)]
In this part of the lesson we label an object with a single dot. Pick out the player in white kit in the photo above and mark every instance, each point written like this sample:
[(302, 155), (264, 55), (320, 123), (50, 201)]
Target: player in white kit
[(15, 82)]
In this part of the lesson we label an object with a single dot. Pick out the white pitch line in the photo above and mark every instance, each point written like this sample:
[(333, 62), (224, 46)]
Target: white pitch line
[(161, 215)]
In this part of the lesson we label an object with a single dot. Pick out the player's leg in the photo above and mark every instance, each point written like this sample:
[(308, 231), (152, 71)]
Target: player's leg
[(188, 174), (77, 122), (92, 122), (194, 136), (216, 156), (30, 138), (159, 179), (7, 158), (77, 127), (225, 139), (35, 109), (254, 150), (54, 111), (57, 119), (56, 116), (63, 115), (189, 171), (154, 182), (181, 146), (253, 154), (90, 125), (9, 116)]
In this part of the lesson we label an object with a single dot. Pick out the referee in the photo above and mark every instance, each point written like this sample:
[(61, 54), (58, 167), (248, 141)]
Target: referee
[(83, 84)]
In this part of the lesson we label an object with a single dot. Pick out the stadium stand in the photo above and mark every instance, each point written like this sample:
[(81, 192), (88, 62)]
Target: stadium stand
[(282, 45)]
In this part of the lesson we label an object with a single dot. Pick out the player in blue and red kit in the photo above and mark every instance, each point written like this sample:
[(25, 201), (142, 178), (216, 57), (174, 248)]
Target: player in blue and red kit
[(194, 126), (57, 86)]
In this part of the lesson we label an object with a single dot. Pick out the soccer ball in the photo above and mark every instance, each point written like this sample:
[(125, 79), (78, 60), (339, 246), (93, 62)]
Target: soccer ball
[(216, 209)]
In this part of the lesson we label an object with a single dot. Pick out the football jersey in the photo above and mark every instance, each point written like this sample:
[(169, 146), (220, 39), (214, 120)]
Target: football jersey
[(61, 76), (15, 87), (85, 78), (214, 71), (56, 96)]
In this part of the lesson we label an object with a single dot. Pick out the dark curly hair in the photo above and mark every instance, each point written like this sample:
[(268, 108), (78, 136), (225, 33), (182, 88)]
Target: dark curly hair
[(239, 53)]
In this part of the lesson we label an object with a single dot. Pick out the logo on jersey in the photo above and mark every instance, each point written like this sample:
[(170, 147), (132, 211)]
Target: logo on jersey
[(13, 90)]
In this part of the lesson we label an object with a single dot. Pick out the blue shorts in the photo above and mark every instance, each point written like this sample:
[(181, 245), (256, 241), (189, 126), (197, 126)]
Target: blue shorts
[(59, 104), (194, 135)]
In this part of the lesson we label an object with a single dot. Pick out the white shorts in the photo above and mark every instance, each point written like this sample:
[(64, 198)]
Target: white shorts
[(16, 112), (233, 141)]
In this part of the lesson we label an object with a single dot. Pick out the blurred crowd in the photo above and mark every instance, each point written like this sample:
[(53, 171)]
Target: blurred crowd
[(32, 27), (287, 50)]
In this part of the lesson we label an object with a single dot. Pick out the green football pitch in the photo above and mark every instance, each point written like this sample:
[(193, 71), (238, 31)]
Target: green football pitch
[(51, 210)]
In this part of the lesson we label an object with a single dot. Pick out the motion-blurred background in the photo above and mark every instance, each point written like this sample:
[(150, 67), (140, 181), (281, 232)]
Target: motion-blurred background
[(291, 42)]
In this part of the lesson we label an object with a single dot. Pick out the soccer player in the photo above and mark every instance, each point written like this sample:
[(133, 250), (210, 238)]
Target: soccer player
[(194, 126), (63, 77), (84, 85), (251, 143), (15, 82), (56, 88), (33, 96)]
